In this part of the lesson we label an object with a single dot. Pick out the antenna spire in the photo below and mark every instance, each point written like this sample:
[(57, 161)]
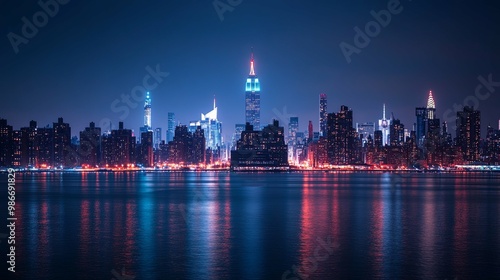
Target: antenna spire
[(252, 71)]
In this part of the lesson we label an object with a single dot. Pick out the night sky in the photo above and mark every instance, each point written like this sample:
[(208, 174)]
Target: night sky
[(91, 52)]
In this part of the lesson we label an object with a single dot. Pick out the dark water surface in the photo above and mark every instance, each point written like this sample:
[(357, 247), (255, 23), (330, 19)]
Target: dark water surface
[(255, 226)]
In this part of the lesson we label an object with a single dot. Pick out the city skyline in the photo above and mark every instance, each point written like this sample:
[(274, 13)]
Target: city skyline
[(80, 88)]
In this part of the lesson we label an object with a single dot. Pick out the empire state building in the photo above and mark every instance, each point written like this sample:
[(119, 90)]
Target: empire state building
[(252, 98)]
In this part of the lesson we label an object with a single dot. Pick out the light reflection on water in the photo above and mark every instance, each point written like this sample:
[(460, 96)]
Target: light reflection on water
[(257, 226)]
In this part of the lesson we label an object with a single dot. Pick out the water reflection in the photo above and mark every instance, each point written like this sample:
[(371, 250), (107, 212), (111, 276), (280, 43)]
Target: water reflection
[(234, 226)]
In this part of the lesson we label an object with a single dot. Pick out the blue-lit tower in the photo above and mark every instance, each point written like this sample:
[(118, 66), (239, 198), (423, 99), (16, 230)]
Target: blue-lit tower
[(147, 112), (252, 98)]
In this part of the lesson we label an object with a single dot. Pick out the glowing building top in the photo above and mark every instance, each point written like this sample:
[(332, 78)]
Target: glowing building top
[(252, 84), (212, 115), (147, 112), (431, 106)]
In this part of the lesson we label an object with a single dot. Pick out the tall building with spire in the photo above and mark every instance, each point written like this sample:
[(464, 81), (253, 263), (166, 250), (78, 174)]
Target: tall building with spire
[(384, 125), (147, 115), (431, 107), (211, 127), (252, 98), (147, 112), (323, 114)]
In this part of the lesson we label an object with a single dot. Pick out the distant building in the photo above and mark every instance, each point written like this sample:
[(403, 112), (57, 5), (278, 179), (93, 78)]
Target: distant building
[(119, 148), (293, 128), (384, 126), (29, 148), (365, 129), (45, 144), (157, 138), (431, 107), (187, 147), (16, 144), (5, 143), (147, 115), (323, 114), (62, 144), (252, 97), (212, 128), (469, 133), (238, 128), (264, 149), (341, 134), (170, 127), (396, 134), (421, 125), (90, 145), (146, 156)]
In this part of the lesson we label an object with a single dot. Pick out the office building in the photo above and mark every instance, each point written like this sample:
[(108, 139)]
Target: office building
[(90, 145), (323, 114), (252, 97)]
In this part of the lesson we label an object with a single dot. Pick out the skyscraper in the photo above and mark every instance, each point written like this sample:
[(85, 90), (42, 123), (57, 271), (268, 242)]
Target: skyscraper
[(252, 98), (45, 144), (62, 143), (147, 115), (341, 137), (365, 129), (293, 128), (421, 125), (469, 133), (238, 128), (29, 149), (146, 151), (310, 132), (90, 145), (171, 127), (384, 126), (323, 114), (396, 134), (5, 143), (157, 138), (147, 112), (211, 127), (431, 106)]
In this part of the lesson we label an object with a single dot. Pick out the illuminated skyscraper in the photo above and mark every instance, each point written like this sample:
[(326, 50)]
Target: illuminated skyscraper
[(62, 143), (384, 126), (293, 128), (212, 128), (157, 138), (366, 129), (147, 112), (469, 133), (421, 125), (171, 127), (431, 107), (252, 98), (323, 114)]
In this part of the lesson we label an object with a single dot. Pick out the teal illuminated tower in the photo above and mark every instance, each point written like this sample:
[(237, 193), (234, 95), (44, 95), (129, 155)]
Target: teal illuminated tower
[(252, 98)]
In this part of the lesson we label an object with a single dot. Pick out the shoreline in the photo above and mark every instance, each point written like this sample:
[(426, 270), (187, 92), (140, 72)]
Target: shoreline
[(397, 171)]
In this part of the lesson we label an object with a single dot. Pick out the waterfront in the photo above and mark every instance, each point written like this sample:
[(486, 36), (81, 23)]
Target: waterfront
[(222, 225)]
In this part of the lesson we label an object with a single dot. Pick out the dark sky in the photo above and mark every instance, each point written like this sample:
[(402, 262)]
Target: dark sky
[(91, 52)]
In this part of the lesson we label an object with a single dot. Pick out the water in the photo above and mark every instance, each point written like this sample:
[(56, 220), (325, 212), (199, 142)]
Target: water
[(256, 226)]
